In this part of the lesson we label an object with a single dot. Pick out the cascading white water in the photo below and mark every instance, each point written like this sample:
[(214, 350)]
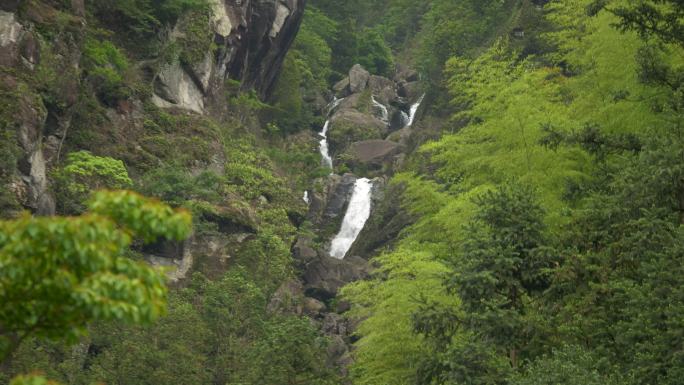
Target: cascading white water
[(336, 102), (305, 198), (355, 218), (323, 144), (325, 154), (383, 109), (414, 110)]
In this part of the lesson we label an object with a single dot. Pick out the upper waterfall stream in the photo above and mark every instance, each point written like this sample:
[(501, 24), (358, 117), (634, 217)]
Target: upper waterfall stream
[(325, 152), (414, 110), (323, 144)]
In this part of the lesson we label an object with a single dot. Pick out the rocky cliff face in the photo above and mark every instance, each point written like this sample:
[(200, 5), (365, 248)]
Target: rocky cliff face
[(252, 39), (42, 82)]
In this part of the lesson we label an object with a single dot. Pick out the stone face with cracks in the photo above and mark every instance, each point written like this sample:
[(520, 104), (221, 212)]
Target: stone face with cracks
[(358, 78), (252, 38), (374, 152), (175, 88)]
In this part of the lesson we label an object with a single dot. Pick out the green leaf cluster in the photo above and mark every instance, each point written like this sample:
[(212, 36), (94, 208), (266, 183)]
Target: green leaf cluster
[(59, 274)]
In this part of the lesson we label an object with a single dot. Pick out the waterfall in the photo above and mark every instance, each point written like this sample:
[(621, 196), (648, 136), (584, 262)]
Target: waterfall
[(335, 102), (323, 144), (305, 198), (354, 219), (327, 160), (414, 110), (382, 108)]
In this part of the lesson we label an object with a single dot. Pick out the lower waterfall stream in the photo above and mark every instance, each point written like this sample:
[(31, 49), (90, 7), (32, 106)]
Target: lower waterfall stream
[(354, 219)]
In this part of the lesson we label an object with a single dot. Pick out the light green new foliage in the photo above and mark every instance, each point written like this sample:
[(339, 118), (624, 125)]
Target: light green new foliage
[(389, 352), (57, 274), (504, 104), (89, 172), (32, 380)]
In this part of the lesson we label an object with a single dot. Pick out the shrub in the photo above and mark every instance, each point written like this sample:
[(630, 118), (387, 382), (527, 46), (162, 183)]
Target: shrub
[(106, 66), (85, 172)]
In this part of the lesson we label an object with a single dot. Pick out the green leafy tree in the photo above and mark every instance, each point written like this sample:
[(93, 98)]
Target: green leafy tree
[(374, 54), (58, 274), (570, 365), (500, 268), (291, 352), (660, 18)]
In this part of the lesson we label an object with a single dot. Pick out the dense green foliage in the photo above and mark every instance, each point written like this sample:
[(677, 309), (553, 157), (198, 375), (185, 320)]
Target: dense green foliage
[(546, 244), (553, 209)]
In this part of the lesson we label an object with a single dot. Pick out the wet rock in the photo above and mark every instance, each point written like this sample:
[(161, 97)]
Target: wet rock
[(325, 276), (358, 79), (384, 90), (348, 126), (398, 120), (373, 152), (338, 198)]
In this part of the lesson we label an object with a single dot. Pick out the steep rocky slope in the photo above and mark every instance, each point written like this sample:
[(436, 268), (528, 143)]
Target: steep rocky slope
[(45, 71)]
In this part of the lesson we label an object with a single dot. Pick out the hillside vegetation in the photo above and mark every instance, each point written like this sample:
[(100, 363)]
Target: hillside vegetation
[(528, 233), (547, 243)]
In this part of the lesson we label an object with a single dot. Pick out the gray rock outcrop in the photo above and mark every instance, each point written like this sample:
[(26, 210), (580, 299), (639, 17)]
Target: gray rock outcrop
[(373, 152), (253, 37), (358, 78)]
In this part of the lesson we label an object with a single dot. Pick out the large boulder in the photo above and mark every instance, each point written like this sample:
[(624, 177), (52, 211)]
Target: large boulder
[(349, 125), (406, 74), (358, 78), (385, 90), (175, 88), (341, 88), (373, 153), (303, 251), (325, 276)]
